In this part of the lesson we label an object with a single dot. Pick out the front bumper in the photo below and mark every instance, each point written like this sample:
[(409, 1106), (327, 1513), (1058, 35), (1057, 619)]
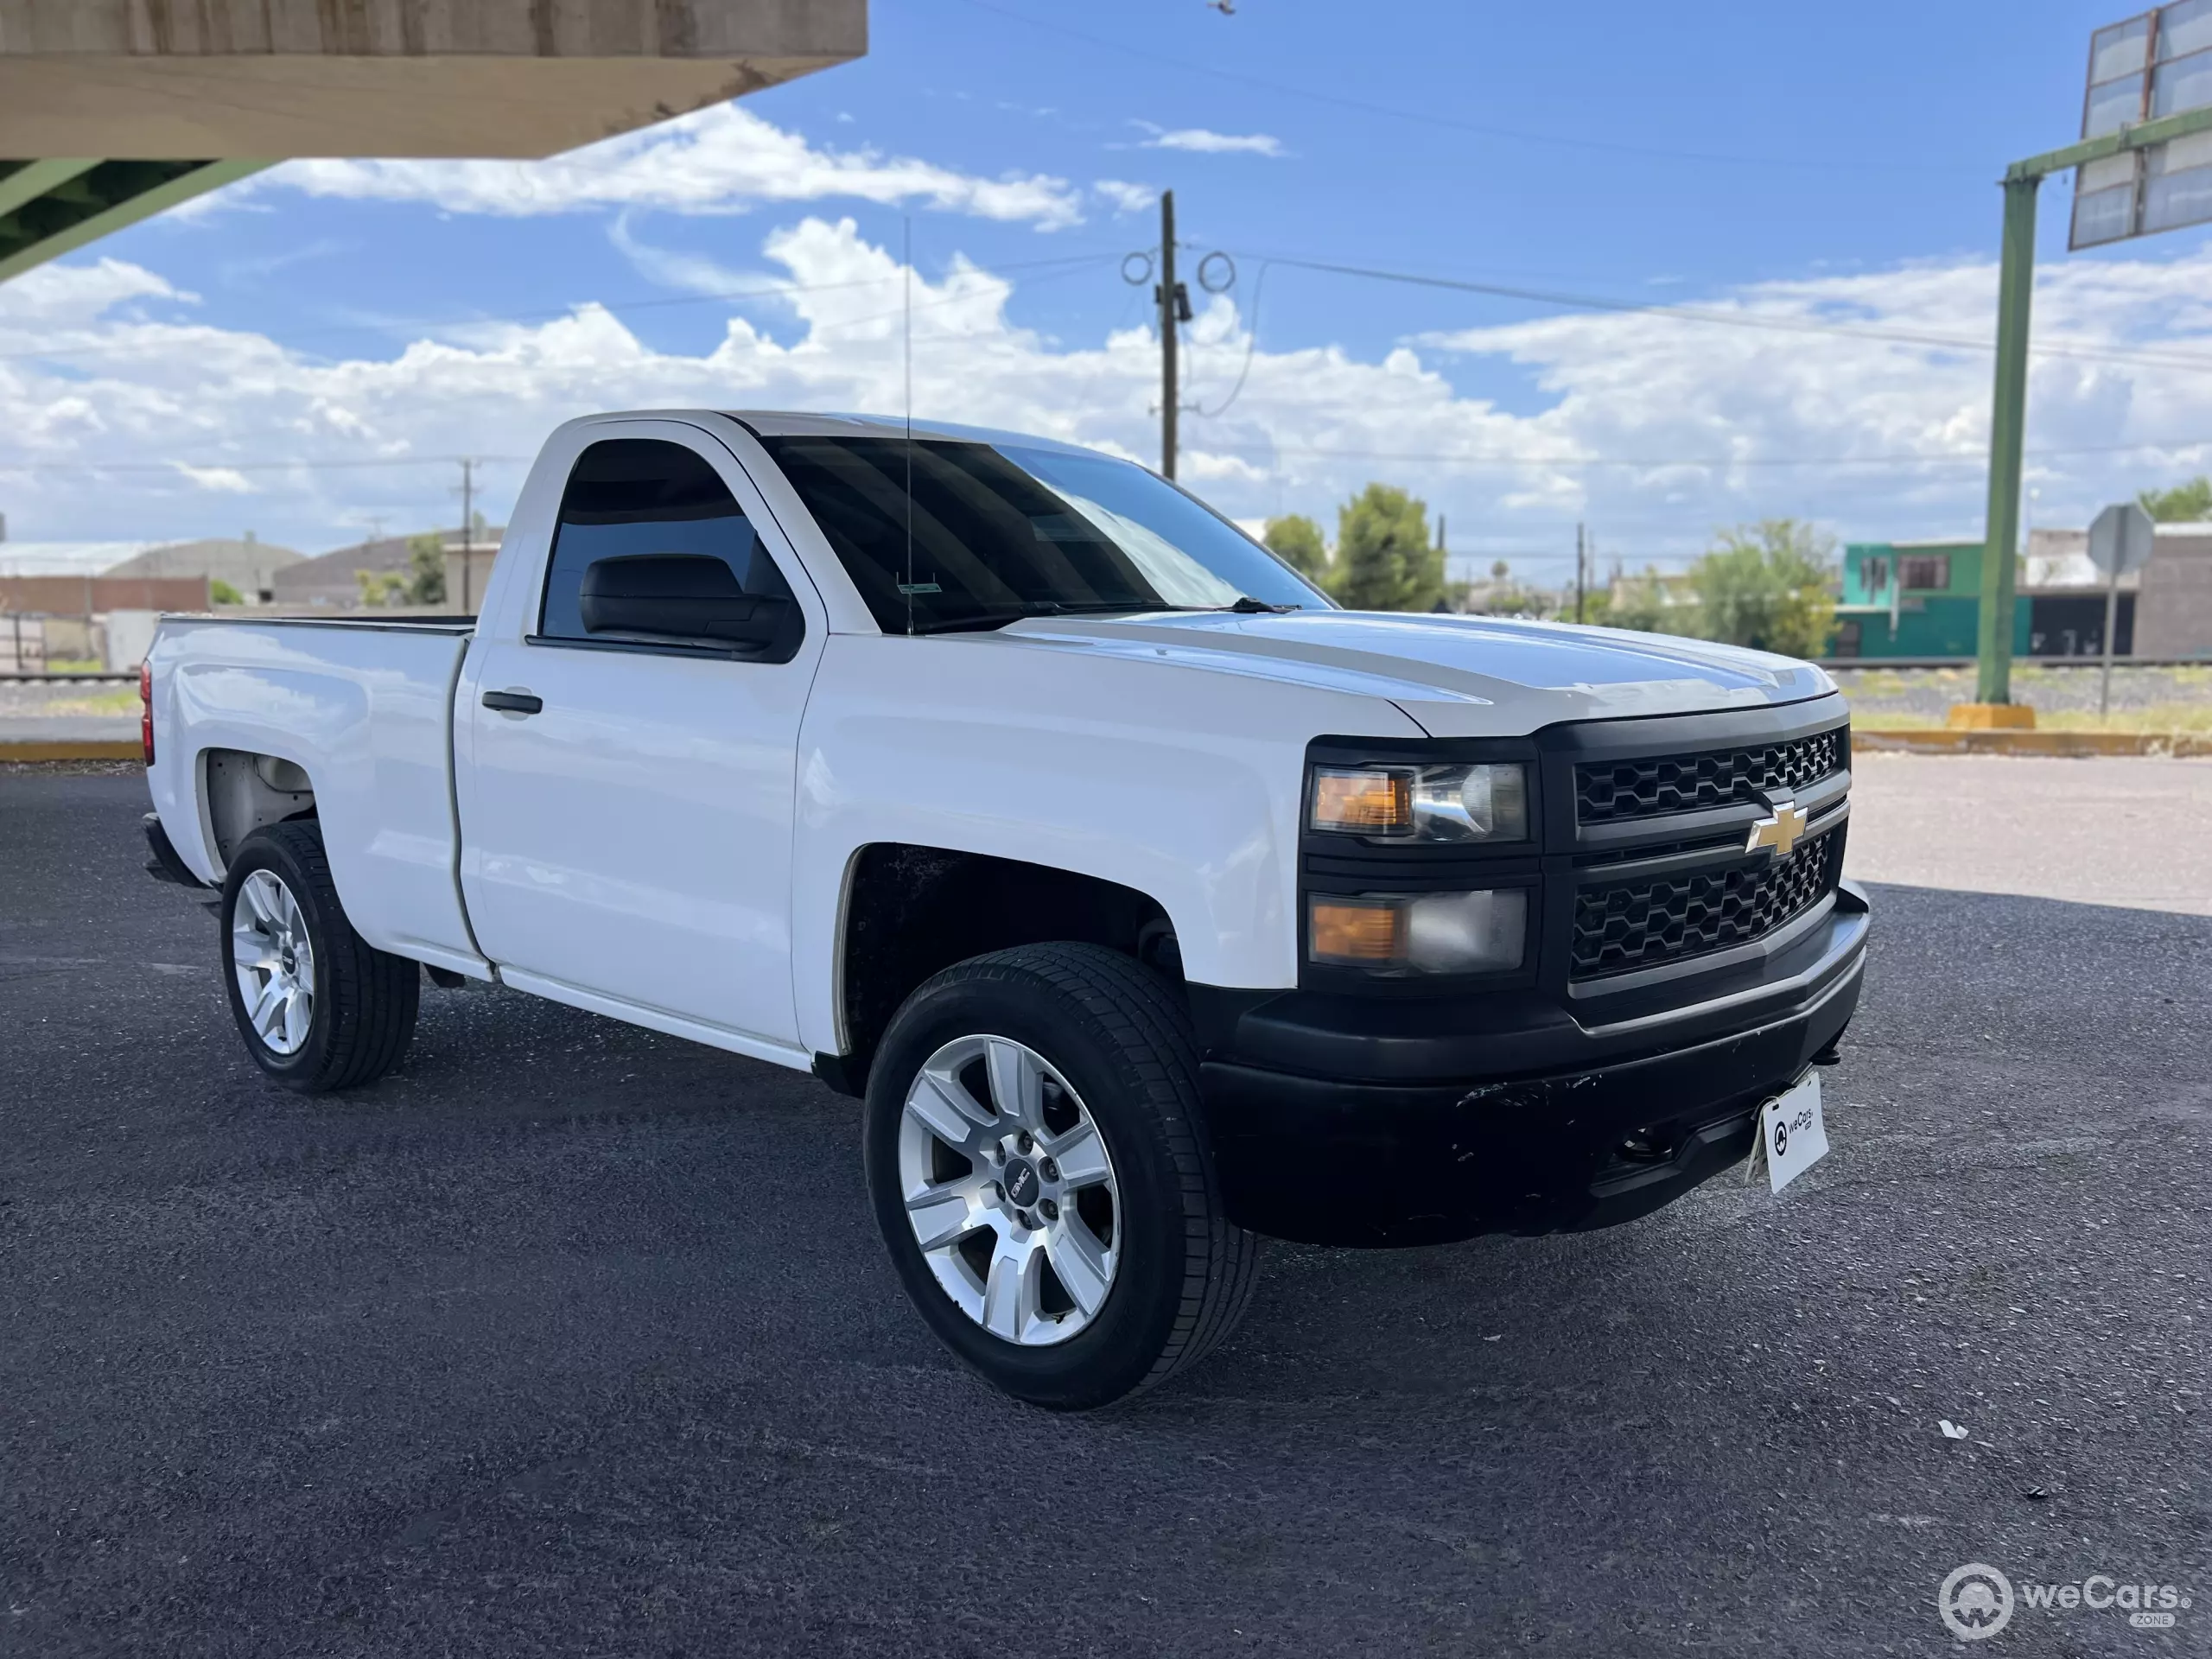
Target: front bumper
[(1418, 1122)]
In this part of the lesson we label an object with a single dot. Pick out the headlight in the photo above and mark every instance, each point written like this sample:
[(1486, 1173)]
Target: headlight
[(1481, 932), (1432, 803)]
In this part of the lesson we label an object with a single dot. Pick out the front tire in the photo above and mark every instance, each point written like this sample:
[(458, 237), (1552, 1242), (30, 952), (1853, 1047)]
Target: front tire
[(319, 1006), (1037, 1161)]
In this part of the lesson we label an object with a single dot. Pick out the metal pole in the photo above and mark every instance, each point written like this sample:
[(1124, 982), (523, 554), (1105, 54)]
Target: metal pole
[(467, 528), (1168, 334), (2111, 621), (2008, 416), (1579, 583)]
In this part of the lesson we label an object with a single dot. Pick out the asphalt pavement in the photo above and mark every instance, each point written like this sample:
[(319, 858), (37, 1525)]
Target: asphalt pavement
[(571, 1339)]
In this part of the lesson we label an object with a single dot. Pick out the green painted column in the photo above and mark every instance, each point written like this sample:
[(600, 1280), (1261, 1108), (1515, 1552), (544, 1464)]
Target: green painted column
[(2008, 418)]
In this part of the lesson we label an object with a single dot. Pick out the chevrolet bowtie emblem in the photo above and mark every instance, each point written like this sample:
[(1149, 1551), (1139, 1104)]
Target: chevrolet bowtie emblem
[(1779, 831)]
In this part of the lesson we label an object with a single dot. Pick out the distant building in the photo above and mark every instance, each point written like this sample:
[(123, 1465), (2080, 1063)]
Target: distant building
[(248, 565), (332, 580), (2177, 594), (1923, 599)]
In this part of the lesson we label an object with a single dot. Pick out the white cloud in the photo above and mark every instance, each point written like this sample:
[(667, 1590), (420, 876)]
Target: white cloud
[(227, 480), (1206, 143), (695, 273), (1126, 198), (720, 160), (1696, 425)]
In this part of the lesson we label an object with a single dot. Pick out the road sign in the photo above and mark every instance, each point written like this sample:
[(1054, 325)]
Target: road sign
[(2120, 540), (2159, 64)]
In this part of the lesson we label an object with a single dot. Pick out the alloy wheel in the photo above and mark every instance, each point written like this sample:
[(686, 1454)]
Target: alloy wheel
[(274, 961), (1009, 1189)]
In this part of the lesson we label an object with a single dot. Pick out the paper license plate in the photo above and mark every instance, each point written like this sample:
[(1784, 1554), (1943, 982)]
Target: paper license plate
[(1793, 1138)]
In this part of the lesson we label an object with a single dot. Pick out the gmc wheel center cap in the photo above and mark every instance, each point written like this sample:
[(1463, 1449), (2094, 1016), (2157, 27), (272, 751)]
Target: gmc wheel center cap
[(1022, 1185)]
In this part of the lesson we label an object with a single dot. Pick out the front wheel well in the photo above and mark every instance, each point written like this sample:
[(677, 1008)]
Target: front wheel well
[(911, 912)]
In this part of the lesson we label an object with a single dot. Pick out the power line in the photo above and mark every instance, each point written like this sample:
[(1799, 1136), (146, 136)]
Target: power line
[(1733, 319), (1481, 129), (1907, 459), (1444, 458)]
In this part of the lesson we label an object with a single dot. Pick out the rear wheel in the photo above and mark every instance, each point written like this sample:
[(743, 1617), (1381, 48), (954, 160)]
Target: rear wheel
[(1036, 1159), (318, 1005)]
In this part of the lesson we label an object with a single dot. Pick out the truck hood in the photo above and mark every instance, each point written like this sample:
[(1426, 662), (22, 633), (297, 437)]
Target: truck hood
[(1456, 676)]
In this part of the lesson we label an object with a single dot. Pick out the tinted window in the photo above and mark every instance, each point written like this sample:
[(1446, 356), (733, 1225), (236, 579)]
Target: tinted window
[(643, 495), (1001, 531)]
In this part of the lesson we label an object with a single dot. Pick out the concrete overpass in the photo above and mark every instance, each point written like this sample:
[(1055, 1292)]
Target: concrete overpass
[(112, 111)]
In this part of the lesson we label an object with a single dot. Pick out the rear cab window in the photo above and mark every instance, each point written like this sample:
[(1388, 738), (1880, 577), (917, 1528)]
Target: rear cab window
[(627, 497)]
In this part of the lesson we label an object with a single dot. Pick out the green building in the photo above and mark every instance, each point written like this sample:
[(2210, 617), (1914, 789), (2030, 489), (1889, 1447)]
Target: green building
[(1923, 599)]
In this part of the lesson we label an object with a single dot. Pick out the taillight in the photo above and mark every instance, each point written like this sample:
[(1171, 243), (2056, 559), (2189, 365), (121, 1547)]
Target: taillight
[(146, 709)]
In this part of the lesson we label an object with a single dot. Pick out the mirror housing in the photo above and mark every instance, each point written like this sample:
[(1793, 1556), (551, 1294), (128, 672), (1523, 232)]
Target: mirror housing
[(687, 597)]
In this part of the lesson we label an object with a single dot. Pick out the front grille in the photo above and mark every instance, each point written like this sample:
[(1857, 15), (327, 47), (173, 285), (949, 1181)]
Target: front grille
[(1649, 786), (1646, 923)]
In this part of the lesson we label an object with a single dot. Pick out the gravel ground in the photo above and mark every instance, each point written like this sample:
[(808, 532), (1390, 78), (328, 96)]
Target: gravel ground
[(1930, 691), (28, 699), (568, 1338)]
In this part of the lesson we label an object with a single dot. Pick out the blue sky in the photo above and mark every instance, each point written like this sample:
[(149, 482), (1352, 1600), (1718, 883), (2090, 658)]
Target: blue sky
[(1813, 169)]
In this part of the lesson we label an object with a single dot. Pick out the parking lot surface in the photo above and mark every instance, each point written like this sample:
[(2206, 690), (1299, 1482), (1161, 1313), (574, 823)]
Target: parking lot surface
[(571, 1339)]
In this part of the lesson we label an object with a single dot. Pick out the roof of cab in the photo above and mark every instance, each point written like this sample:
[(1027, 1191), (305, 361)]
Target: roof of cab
[(785, 423)]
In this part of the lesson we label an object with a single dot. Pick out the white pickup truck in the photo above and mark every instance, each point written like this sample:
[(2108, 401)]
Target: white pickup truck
[(1147, 899)]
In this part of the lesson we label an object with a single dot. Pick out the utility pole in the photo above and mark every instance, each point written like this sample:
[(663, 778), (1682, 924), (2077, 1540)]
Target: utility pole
[(467, 529), (1174, 307), (1581, 582)]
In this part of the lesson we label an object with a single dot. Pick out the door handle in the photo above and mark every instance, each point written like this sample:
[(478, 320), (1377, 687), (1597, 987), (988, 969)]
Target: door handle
[(514, 703)]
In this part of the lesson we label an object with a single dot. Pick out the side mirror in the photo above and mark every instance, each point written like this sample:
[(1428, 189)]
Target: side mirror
[(679, 596)]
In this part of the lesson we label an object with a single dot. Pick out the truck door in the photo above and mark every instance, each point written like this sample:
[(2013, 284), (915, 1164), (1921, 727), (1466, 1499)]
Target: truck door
[(627, 799)]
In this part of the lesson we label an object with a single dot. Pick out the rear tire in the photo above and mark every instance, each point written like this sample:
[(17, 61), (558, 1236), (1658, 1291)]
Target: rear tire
[(319, 1007), (1141, 1273)]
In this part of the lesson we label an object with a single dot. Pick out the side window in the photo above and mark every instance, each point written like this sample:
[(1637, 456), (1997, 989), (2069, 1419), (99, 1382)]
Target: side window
[(630, 496)]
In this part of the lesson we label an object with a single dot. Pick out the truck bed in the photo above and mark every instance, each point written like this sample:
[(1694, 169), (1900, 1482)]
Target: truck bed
[(365, 708)]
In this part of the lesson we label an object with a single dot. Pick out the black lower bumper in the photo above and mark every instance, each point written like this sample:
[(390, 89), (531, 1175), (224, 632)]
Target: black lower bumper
[(1652, 1108), (165, 864)]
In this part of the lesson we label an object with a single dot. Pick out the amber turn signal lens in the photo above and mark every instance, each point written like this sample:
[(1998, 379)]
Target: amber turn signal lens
[(1356, 934), (1366, 801)]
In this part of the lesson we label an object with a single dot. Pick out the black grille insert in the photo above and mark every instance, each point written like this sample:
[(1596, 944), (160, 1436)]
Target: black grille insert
[(1650, 922), (1649, 786)]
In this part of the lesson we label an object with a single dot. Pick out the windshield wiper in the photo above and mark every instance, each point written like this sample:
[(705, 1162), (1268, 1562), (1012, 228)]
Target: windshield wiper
[(1247, 605)]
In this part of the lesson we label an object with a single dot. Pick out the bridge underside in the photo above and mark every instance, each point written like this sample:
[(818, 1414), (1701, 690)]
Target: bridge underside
[(198, 92)]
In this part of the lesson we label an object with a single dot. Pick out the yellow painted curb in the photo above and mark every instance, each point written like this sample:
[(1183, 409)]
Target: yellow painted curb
[(1990, 717), (63, 749), (2075, 745)]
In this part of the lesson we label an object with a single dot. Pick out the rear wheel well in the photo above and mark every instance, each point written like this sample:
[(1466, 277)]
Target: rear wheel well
[(913, 911), (244, 790)]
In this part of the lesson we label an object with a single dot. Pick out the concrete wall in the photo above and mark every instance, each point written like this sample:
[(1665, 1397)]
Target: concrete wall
[(91, 595), (204, 79), (2173, 616)]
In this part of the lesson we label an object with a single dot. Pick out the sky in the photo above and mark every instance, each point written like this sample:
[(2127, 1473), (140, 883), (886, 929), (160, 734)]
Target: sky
[(1747, 256)]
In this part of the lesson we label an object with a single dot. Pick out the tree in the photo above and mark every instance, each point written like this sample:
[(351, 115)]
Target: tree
[(221, 592), (1768, 586), (380, 588), (1640, 602), (2184, 503), (1296, 540), (1385, 561), (426, 571)]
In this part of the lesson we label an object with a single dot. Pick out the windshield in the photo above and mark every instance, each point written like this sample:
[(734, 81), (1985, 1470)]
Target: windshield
[(1002, 532)]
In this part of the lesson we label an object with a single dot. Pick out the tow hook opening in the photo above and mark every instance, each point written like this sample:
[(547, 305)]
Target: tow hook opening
[(1646, 1147)]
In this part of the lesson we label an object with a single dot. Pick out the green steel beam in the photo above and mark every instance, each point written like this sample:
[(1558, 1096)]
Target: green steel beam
[(96, 200), (2016, 280), (2139, 136), (26, 181)]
